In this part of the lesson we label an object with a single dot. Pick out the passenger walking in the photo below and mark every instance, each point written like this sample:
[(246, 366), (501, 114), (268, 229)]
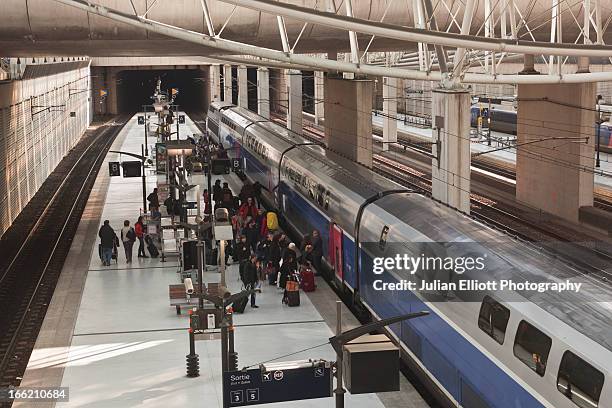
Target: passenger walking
[(241, 254), (286, 270), (248, 209), (153, 199), (108, 241), (251, 277), (217, 192), (128, 236), (252, 235), (139, 230), (207, 206)]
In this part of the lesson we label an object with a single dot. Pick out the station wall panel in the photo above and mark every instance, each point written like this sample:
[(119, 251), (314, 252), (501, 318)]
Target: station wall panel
[(37, 131)]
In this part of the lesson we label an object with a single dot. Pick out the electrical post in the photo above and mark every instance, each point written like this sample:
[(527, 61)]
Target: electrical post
[(146, 132), (144, 181), (599, 121), (339, 391), (200, 248)]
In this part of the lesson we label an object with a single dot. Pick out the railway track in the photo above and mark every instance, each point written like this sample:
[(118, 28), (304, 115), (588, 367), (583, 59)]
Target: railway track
[(36, 245)]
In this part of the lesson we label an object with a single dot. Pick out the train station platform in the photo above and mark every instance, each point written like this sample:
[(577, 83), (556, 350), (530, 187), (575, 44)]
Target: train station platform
[(504, 157), (111, 336)]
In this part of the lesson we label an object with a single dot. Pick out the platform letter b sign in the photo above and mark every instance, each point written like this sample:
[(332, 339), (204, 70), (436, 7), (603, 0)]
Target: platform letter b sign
[(114, 169)]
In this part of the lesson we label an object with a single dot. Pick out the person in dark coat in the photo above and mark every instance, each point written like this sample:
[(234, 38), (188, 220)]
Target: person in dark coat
[(108, 240), (252, 235), (242, 252), (257, 187), (272, 252), (217, 192), (250, 277), (317, 251), (286, 270), (289, 253), (153, 199), (306, 257)]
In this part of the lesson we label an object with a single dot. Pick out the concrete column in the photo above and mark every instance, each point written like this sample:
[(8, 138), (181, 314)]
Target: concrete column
[(227, 83), (243, 87), (389, 92), (319, 95), (556, 175), (451, 137), (583, 65), (348, 120), (215, 83), (294, 94), (528, 65), (263, 92), (111, 98)]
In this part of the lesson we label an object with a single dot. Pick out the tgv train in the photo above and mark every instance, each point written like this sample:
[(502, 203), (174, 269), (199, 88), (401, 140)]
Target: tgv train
[(503, 119), (544, 350)]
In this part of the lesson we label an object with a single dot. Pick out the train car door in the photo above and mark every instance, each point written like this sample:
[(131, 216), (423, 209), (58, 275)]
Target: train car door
[(335, 249)]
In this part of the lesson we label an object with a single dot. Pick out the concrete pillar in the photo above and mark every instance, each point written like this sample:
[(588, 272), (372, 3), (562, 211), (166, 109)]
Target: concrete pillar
[(556, 175), (111, 98), (583, 65), (319, 95), (227, 83), (263, 92), (243, 87), (294, 94), (215, 82), (451, 148), (389, 111), (528, 65), (348, 119)]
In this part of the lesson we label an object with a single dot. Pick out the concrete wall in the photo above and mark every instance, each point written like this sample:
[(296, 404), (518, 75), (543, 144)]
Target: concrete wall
[(556, 175), (348, 122), (34, 140)]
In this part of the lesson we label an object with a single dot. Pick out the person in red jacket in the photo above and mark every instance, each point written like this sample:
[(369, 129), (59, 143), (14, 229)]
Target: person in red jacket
[(248, 209), (139, 229)]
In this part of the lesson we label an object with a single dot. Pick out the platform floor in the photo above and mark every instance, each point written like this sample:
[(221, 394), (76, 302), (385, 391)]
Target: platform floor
[(120, 344)]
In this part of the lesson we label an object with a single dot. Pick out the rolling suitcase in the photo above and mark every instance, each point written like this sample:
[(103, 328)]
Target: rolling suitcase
[(292, 298), (153, 251), (307, 280), (240, 305)]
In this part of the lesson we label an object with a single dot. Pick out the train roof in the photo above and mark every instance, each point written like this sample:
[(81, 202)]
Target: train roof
[(583, 311)]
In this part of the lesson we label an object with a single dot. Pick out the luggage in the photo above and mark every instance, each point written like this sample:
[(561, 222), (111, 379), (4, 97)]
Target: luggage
[(307, 280), (292, 286), (239, 305), (272, 221), (292, 298), (212, 256), (271, 273), (153, 251)]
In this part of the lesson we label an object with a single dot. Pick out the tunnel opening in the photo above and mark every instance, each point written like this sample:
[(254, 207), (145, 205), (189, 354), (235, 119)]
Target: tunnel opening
[(135, 88)]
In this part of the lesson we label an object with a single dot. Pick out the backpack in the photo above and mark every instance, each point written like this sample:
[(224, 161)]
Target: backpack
[(131, 235), (272, 221)]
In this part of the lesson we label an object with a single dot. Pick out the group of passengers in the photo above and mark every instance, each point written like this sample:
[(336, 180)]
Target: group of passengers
[(109, 242)]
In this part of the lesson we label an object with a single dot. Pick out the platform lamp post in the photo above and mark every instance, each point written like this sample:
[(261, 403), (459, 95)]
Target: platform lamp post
[(340, 339), (143, 158), (599, 122)]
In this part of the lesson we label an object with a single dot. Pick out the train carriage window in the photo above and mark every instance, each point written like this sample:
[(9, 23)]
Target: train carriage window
[(532, 346), (579, 381), (493, 319)]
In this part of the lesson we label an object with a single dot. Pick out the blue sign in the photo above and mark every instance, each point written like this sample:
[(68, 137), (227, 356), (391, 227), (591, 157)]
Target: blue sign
[(257, 386)]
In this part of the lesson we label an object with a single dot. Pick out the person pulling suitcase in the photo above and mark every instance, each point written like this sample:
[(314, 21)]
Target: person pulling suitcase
[(251, 277)]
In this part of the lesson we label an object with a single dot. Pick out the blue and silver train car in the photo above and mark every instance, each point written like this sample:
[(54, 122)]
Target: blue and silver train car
[(475, 354)]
